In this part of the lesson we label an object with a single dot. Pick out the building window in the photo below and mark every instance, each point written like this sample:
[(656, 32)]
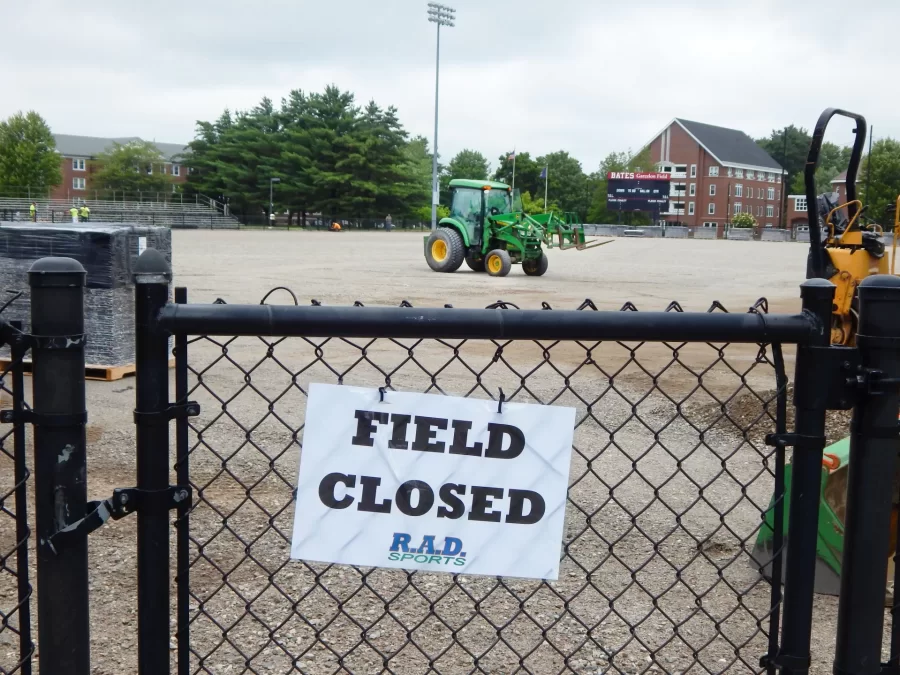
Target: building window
[(78, 165), (78, 183), (680, 168), (778, 194), (737, 207), (800, 204), (739, 173), (678, 189), (770, 211), (711, 209), (738, 190), (693, 189), (165, 168), (693, 170), (176, 170), (730, 172), (750, 209), (710, 225), (759, 193), (690, 208), (712, 190), (149, 169), (714, 171), (771, 194), (750, 175)]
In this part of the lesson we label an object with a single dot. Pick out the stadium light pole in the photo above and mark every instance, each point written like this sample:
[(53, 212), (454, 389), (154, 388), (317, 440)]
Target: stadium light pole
[(442, 15), (272, 182)]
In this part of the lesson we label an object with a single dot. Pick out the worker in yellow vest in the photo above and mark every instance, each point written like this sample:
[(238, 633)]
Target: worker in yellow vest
[(32, 210), (74, 212), (85, 213)]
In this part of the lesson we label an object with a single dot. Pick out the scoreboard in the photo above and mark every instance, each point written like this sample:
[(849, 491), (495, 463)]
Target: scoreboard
[(629, 191)]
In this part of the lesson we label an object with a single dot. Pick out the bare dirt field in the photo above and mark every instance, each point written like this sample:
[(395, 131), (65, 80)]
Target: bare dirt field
[(668, 478)]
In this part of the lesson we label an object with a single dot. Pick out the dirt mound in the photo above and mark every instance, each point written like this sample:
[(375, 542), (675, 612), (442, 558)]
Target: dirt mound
[(755, 414)]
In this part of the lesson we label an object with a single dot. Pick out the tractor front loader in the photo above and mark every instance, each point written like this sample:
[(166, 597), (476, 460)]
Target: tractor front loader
[(489, 231), (844, 250)]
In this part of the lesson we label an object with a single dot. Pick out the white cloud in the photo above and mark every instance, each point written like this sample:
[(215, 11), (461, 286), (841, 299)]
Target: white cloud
[(585, 76)]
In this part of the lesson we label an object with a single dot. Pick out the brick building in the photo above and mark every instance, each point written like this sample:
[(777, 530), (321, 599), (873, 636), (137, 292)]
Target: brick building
[(79, 154), (716, 173)]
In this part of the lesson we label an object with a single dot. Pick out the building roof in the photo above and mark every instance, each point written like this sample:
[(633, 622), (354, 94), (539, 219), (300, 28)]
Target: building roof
[(466, 183), (729, 146), (90, 146), (842, 178)]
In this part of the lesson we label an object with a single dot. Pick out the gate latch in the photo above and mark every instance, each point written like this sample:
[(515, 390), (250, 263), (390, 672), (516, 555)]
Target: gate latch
[(122, 502)]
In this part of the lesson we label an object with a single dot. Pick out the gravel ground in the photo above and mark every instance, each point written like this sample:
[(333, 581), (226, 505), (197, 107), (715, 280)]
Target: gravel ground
[(649, 564)]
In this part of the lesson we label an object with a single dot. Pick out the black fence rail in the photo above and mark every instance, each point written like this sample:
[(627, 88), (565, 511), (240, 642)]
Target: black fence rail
[(16, 645)]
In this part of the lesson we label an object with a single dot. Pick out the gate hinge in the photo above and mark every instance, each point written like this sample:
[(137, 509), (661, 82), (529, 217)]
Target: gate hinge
[(873, 382), (173, 412), (122, 502)]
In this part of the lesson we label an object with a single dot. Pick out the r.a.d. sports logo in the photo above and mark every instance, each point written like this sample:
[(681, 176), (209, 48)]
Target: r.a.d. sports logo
[(450, 553)]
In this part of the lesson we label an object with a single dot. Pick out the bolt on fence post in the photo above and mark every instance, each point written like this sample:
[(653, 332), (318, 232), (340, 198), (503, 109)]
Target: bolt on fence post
[(806, 480), (152, 275), (60, 467), (873, 461)]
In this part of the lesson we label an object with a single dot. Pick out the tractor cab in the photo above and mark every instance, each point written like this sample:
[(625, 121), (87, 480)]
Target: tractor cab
[(471, 201)]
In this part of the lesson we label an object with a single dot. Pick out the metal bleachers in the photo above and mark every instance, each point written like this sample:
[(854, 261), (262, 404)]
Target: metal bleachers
[(192, 215)]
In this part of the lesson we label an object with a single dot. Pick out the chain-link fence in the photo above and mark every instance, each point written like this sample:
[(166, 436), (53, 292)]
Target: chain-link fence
[(16, 646), (669, 484)]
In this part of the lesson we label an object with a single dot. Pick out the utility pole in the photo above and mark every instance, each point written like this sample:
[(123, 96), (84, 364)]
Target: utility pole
[(272, 182), (442, 15)]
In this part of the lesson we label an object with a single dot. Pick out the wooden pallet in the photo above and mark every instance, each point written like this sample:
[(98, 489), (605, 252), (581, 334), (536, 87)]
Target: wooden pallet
[(91, 372)]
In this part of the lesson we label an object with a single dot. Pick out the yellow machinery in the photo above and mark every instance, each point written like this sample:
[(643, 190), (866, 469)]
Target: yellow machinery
[(851, 251)]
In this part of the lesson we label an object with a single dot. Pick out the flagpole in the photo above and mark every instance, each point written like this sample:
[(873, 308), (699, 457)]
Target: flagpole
[(546, 180)]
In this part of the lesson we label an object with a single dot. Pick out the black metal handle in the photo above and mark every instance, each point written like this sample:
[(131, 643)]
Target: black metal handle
[(817, 255)]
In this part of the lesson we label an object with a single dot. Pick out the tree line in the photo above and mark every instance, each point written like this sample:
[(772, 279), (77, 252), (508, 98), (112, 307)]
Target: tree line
[(322, 153)]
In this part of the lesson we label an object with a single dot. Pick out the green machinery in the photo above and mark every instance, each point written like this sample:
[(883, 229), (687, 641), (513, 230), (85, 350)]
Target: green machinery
[(488, 230)]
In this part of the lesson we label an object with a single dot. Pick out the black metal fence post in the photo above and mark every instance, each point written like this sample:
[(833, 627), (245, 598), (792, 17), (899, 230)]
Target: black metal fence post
[(809, 442), (873, 460), (152, 275), (60, 486)]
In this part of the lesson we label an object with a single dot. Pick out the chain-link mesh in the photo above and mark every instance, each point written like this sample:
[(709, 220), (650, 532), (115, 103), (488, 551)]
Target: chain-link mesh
[(16, 647), (669, 482)]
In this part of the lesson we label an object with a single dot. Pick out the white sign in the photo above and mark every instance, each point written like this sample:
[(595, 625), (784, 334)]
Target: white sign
[(433, 483), (142, 244)]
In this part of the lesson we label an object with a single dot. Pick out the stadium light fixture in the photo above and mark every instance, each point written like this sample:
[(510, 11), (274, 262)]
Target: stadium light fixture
[(441, 15)]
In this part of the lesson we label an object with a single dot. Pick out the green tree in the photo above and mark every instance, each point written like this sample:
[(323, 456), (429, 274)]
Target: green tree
[(330, 156), (532, 206), (883, 181), (468, 164), (567, 183), (833, 159), (743, 220), (528, 172), (792, 157), (137, 166), (28, 157)]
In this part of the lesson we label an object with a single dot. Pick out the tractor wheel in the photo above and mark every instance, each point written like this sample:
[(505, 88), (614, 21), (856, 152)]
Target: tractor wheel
[(475, 264), (535, 267), (497, 263), (444, 250)]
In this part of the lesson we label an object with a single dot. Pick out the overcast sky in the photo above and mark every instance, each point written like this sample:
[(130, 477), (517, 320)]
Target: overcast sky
[(587, 76)]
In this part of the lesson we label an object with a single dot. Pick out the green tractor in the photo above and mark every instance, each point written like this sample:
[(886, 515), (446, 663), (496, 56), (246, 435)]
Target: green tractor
[(488, 230)]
